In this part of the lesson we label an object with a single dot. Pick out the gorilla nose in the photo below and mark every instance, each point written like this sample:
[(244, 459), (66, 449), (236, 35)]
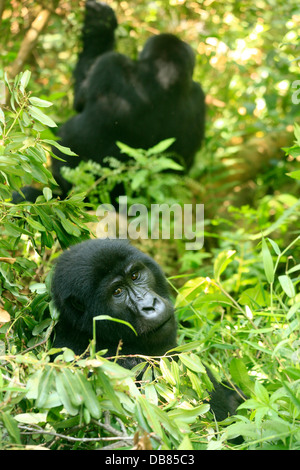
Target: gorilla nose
[(151, 306), (148, 304)]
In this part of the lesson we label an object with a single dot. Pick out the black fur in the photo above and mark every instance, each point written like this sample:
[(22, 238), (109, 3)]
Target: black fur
[(111, 277), (85, 278), (137, 102)]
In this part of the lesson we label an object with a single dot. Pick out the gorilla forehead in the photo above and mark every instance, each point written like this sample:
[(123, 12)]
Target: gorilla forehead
[(112, 257), (93, 264), (99, 257)]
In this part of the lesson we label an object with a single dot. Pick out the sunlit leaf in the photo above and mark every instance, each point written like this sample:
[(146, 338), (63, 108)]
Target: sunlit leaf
[(268, 262), (240, 375), (192, 362), (37, 114), (222, 261), (189, 415), (287, 285), (38, 102)]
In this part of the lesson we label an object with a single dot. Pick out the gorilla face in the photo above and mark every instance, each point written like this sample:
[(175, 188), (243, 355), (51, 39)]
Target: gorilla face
[(131, 295), (110, 277)]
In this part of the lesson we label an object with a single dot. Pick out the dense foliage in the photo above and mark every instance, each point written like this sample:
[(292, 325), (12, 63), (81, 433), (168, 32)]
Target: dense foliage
[(237, 299)]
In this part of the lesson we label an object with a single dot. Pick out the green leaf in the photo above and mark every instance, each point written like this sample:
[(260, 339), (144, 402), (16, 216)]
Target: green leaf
[(151, 394), (197, 384), (68, 355), (40, 327), (267, 262), (138, 179), (297, 132), (165, 391), (45, 387), (216, 297), (215, 444), (161, 147), (131, 152), (47, 194), (189, 415), (239, 374), (36, 225), (37, 114), (43, 215), (63, 149), (38, 102), (107, 317), (278, 223), (292, 395), (139, 415), (256, 296), (295, 308), (15, 231), (185, 444), (186, 347), (109, 392), (152, 416), (242, 429), (25, 77), (221, 262), (65, 394), (261, 393), (70, 382), (294, 269), (287, 285), (191, 361), (40, 174), (175, 372), (190, 291), (11, 426), (165, 163), (31, 418), (69, 227), (295, 175), (89, 396), (2, 116), (293, 372), (86, 416), (275, 246), (166, 371)]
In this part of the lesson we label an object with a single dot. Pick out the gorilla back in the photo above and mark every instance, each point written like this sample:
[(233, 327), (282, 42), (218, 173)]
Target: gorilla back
[(111, 277), (137, 102)]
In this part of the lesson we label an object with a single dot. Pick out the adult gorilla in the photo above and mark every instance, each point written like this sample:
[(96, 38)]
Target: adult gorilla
[(139, 103), (111, 277)]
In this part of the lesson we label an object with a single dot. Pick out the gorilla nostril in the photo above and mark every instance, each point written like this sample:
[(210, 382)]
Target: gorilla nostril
[(148, 309)]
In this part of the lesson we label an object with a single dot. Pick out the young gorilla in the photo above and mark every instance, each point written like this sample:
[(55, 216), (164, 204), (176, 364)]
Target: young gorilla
[(137, 102), (111, 277)]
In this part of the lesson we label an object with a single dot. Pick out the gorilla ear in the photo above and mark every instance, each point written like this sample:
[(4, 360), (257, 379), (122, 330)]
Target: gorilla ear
[(75, 304)]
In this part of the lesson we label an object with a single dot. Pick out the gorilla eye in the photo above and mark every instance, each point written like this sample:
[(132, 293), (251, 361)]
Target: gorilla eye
[(117, 291), (134, 275)]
